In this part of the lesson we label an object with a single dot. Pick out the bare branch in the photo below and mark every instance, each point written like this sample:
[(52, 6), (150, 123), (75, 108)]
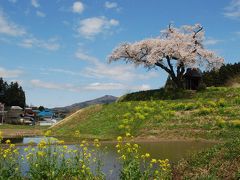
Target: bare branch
[(196, 32)]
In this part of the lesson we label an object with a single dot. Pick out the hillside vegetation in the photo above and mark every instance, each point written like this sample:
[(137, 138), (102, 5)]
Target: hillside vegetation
[(209, 114)]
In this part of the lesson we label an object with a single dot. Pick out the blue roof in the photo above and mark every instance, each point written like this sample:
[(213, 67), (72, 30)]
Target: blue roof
[(45, 113)]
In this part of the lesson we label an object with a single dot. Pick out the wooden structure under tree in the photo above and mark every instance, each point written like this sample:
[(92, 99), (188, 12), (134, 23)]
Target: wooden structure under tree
[(193, 78)]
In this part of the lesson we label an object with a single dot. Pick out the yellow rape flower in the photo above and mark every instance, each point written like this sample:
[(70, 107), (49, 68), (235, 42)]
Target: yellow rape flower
[(147, 155), (77, 133), (119, 138), (12, 145), (135, 145), (61, 142), (123, 157), (40, 153), (128, 134), (42, 144), (15, 151), (153, 161), (48, 133), (96, 140)]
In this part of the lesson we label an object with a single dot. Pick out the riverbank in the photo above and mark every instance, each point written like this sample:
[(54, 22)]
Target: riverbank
[(12, 131)]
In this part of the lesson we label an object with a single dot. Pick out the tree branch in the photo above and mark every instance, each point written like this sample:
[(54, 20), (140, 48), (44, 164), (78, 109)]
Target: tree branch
[(170, 65), (164, 68), (196, 32)]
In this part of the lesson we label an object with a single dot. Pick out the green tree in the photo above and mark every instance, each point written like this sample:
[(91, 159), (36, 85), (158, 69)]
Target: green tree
[(41, 108), (15, 95), (3, 88)]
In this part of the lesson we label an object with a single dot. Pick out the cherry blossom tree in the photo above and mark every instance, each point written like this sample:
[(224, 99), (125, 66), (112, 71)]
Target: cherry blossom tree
[(175, 50)]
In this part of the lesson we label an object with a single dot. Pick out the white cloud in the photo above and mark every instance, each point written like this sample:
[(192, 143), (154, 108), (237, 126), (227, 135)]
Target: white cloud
[(4, 73), (115, 86), (233, 9), (40, 14), (116, 72), (77, 7), (46, 85), (97, 86), (143, 87), (110, 5), (35, 3), (85, 57), (12, 1), (9, 28), (211, 41), (64, 71), (70, 87), (26, 39), (50, 44), (104, 86), (91, 27)]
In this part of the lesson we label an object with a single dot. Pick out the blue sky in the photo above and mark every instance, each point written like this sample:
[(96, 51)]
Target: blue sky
[(57, 49)]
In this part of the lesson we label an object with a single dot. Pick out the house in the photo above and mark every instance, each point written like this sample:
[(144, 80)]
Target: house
[(14, 115), (30, 115), (45, 115), (193, 78), (46, 118)]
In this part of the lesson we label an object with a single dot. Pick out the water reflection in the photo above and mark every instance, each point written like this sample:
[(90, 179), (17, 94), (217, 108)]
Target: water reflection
[(172, 150)]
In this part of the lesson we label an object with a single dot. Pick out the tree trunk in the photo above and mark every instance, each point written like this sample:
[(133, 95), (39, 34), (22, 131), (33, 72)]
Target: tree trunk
[(178, 81)]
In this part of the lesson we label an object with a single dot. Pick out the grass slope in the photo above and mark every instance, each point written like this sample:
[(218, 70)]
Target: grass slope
[(210, 114)]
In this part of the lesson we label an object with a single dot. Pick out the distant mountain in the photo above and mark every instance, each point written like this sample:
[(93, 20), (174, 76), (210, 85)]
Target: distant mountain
[(74, 107)]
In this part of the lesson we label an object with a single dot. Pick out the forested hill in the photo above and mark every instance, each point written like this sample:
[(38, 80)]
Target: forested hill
[(74, 107)]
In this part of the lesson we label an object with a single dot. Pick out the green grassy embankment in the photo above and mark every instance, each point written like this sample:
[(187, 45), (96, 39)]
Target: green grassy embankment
[(211, 114)]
